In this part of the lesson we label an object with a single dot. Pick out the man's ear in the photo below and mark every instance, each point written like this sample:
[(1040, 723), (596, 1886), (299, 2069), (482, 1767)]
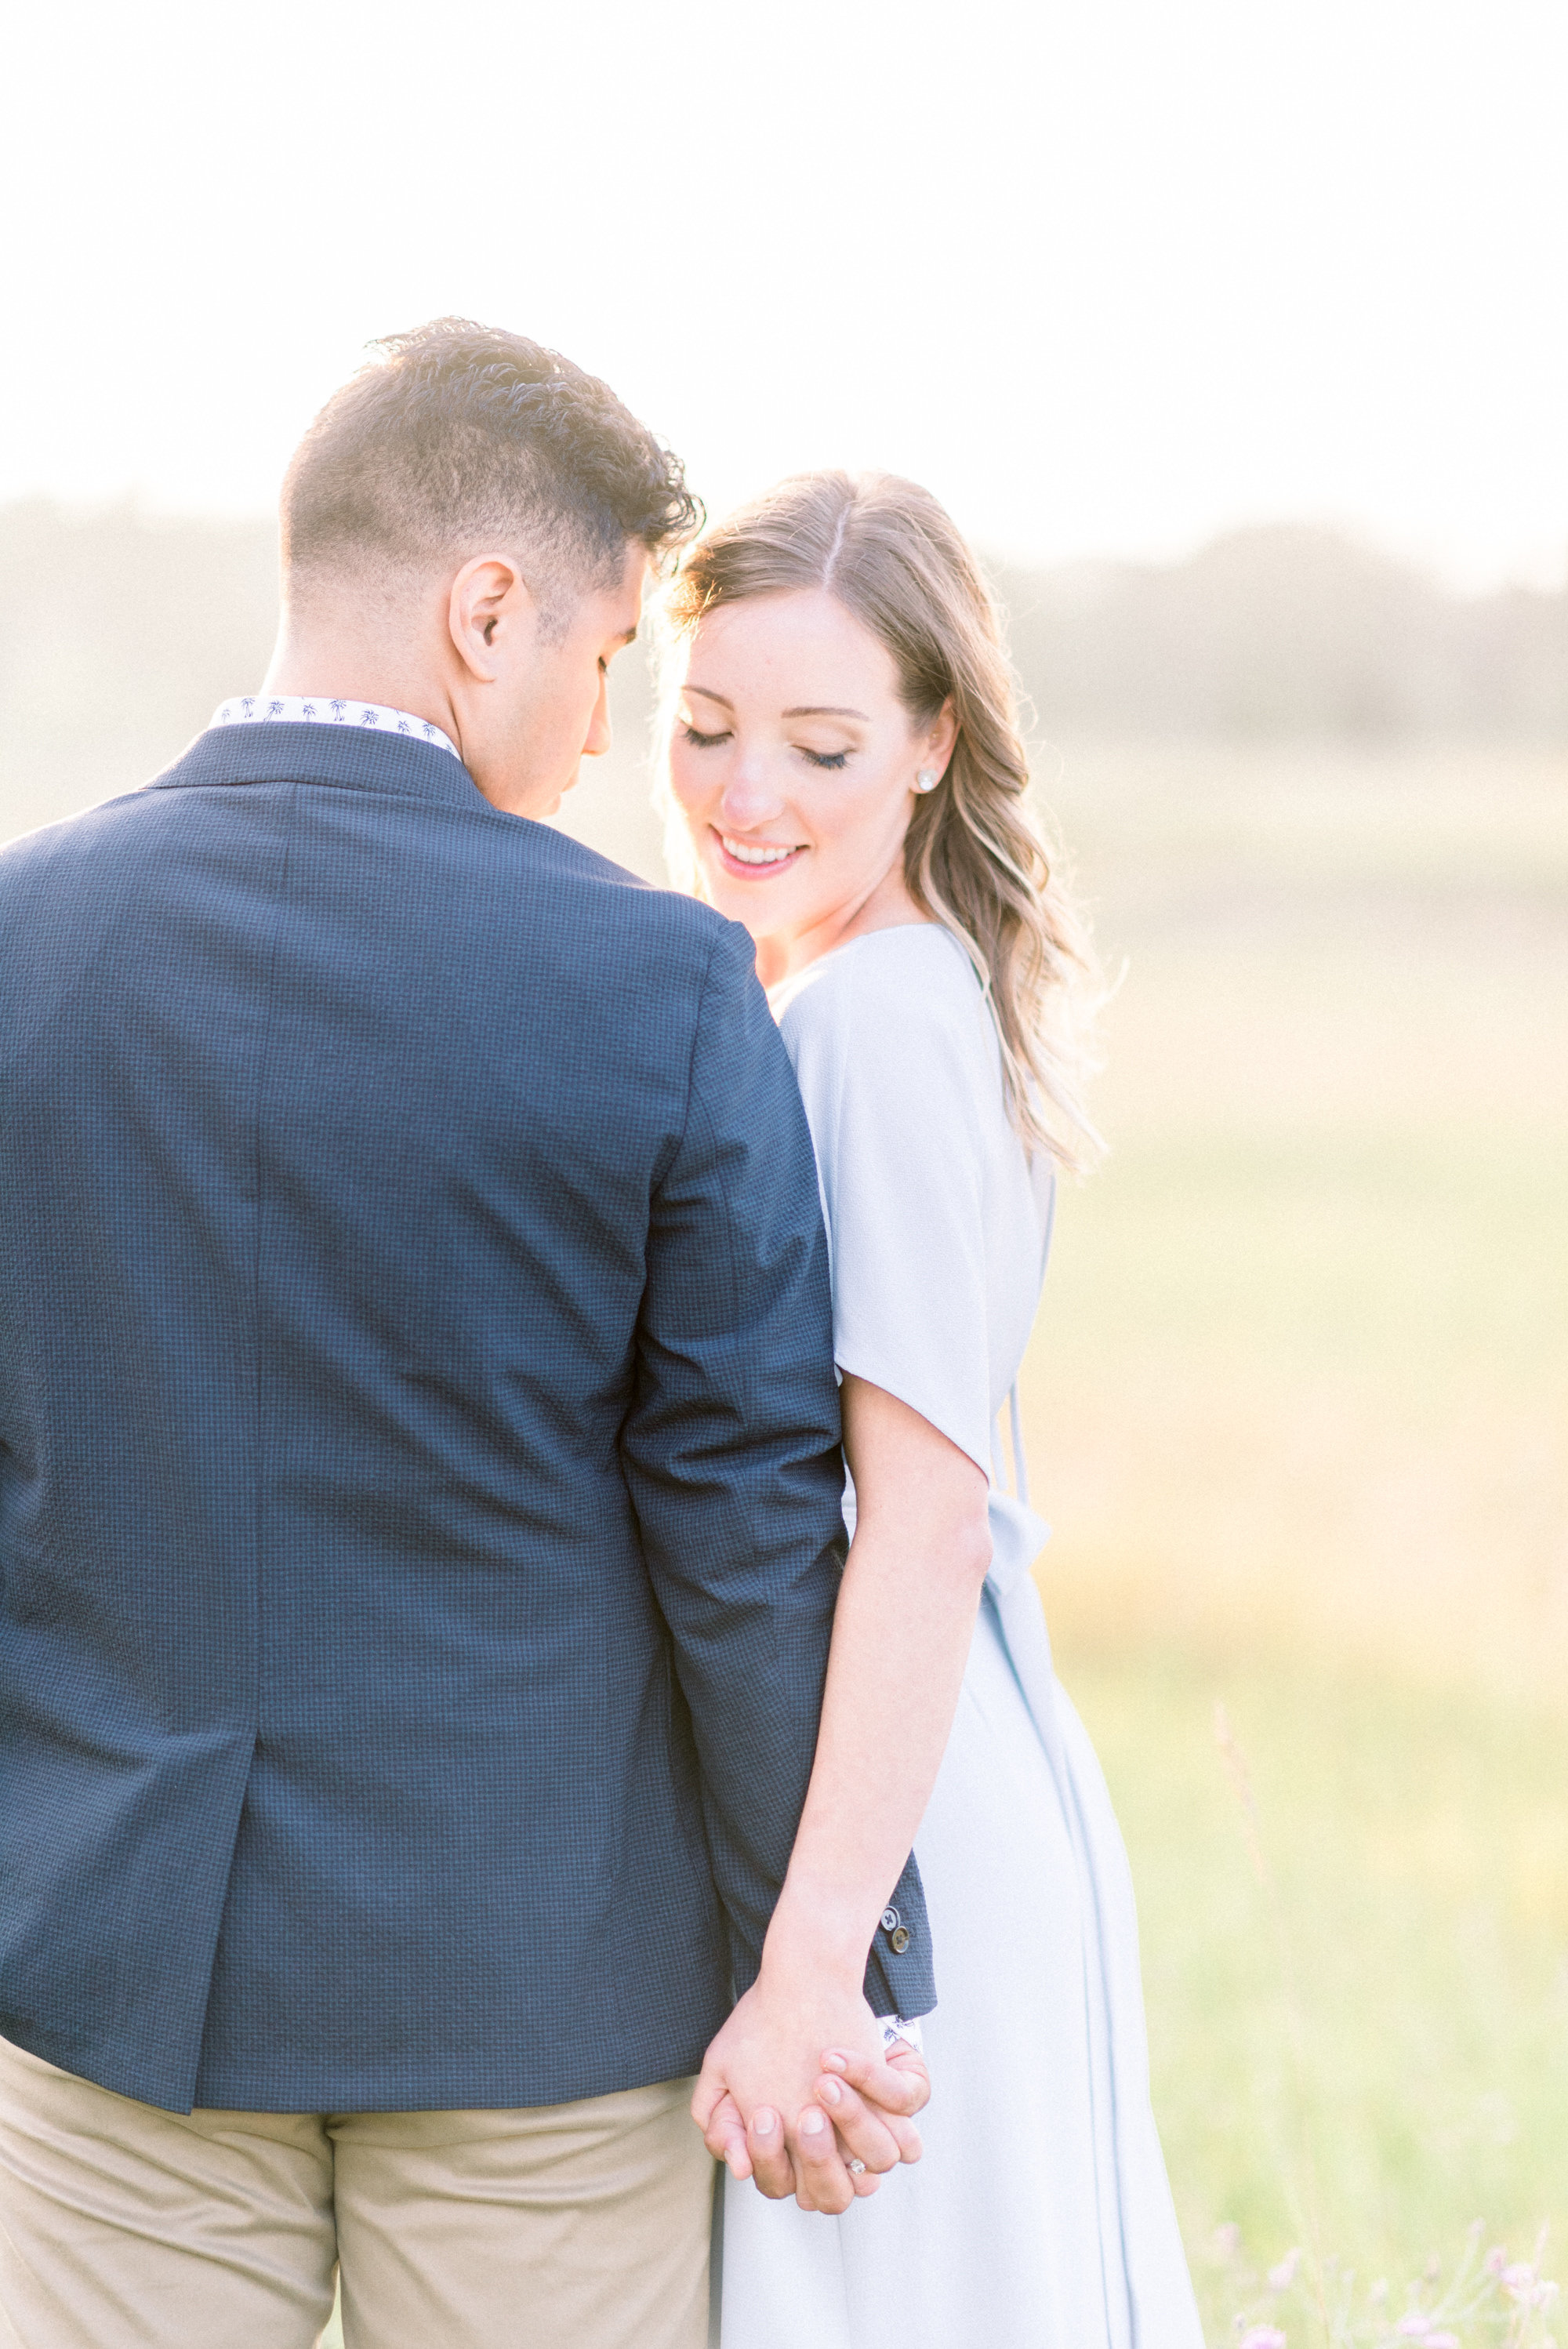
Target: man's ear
[(489, 595)]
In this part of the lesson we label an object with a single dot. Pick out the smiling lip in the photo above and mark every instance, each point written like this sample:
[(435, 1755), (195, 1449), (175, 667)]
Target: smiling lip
[(755, 860)]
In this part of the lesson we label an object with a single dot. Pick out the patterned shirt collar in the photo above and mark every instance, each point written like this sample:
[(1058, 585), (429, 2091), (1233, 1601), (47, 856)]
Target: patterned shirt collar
[(258, 708)]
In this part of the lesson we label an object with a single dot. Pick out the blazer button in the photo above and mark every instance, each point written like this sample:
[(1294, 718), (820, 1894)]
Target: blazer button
[(890, 1920), (900, 1939)]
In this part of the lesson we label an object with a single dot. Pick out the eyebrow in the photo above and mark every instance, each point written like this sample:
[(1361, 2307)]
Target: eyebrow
[(802, 709)]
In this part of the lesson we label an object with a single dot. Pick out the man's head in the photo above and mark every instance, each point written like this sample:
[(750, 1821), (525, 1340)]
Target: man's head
[(469, 521)]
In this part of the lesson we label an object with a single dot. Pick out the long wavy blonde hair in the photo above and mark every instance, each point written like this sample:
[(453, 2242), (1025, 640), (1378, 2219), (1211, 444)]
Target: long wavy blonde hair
[(974, 858)]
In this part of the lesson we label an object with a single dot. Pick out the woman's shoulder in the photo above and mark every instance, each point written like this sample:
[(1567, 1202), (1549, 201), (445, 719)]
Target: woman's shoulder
[(902, 990), (894, 1053)]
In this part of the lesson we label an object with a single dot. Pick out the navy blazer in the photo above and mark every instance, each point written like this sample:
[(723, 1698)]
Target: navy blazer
[(420, 1469)]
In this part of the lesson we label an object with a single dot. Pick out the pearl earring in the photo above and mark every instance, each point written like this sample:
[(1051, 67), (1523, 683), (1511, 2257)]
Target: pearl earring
[(927, 779)]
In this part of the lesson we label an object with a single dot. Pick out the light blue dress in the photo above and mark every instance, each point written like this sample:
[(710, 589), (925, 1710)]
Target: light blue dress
[(1040, 2217)]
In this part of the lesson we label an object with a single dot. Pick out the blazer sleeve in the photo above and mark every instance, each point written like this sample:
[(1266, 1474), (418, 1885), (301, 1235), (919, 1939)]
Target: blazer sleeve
[(731, 1449)]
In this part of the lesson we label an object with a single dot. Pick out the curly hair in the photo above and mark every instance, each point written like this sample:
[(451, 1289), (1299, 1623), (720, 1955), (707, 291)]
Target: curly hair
[(457, 436), (973, 859)]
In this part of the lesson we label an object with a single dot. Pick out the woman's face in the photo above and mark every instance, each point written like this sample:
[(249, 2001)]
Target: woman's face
[(793, 762)]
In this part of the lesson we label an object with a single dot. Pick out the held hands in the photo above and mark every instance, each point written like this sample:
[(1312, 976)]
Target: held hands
[(796, 2087)]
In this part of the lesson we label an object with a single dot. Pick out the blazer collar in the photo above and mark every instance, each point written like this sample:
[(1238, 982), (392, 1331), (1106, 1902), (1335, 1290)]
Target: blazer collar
[(352, 757)]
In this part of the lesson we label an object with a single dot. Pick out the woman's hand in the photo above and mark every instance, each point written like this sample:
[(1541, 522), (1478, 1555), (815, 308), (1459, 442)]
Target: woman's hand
[(871, 2102), (775, 2106)]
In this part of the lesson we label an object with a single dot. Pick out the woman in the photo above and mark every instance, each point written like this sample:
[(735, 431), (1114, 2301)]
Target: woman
[(847, 781)]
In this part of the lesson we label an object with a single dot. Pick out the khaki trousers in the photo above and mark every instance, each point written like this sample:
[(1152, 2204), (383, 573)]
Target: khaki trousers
[(578, 2226)]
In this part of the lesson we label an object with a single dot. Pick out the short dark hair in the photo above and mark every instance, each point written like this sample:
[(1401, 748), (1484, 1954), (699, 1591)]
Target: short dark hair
[(457, 436)]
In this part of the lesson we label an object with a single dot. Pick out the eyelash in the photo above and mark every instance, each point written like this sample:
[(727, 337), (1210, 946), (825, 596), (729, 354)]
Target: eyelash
[(831, 758)]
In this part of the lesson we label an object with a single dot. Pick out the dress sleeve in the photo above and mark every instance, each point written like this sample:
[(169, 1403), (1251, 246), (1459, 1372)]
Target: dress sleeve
[(892, 1079)]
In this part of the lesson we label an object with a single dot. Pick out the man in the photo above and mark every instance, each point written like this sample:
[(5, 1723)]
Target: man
[(419, 1487)]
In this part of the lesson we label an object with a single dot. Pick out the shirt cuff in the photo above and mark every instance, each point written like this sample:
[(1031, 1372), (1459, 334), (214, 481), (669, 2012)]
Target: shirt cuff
[(893, 2027)]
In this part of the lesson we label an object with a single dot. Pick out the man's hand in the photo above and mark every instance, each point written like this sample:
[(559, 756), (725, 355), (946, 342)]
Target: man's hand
[(789, 2103)]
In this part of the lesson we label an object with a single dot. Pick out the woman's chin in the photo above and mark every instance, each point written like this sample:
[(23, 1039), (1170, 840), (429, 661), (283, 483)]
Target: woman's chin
[(739, 905)]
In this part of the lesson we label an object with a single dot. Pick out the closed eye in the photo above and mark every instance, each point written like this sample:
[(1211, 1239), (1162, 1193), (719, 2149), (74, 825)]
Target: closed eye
[(704, 741), (825, 758)]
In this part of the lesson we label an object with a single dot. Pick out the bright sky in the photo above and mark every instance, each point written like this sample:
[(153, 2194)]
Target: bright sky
[(1108, 274)]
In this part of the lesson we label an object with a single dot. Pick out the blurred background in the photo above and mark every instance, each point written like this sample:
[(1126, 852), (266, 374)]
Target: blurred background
[(1237, 338)]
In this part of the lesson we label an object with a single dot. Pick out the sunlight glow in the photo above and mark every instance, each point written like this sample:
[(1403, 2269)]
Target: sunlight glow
[(1110, 279)]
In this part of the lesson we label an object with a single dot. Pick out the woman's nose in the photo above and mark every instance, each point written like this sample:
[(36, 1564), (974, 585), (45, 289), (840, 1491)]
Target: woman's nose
[(750, 797)]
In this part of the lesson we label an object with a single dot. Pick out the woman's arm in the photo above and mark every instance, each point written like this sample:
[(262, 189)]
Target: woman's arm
[(902, 1633)]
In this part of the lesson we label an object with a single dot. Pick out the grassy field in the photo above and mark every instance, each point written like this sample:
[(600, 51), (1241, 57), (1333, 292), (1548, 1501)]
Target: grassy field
[(1298, 1401)]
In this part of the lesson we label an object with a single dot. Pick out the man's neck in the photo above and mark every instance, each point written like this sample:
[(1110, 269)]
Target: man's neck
[(323, 677), (328, 656)]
